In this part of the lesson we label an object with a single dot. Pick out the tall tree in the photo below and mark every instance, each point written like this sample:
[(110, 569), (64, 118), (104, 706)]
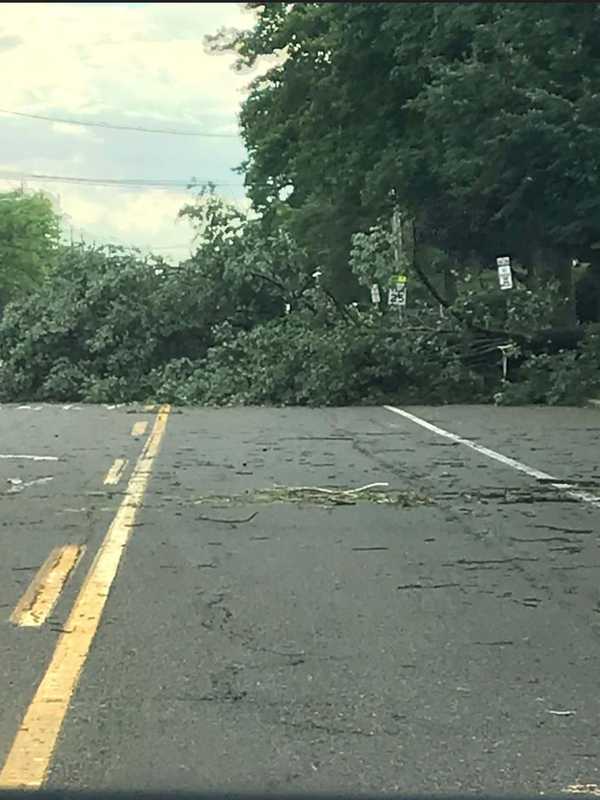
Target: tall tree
[(299, 122), (480, 119)]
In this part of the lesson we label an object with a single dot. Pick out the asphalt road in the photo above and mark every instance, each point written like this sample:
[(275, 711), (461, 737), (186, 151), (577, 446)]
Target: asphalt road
[(216, 632)]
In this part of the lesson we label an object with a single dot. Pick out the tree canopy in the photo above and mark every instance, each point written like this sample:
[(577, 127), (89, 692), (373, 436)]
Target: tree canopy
[(480, 119), (29, 235)]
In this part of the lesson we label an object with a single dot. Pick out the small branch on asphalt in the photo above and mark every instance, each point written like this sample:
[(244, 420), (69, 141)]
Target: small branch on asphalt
[(333, 491), (365, 488), (230, 521)]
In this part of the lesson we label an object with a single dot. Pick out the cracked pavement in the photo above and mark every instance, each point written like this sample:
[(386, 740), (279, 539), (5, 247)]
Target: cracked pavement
[(444, 645)]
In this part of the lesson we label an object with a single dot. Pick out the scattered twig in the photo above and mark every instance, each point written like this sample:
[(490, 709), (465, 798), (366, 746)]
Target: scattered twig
[(308, 489), (501, 643), (332, 491), (428, 586), (232, 521), (364, 488)]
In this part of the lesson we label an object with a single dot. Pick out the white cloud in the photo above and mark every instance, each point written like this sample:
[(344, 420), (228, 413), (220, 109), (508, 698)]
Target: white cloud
[(147, 219), (148, 60), (73, 130), (143, 64)]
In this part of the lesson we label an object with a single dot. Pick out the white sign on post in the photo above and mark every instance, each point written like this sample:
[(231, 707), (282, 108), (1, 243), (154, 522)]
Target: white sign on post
[(375, 294), (397, 296), (397, 292), (504, 272)]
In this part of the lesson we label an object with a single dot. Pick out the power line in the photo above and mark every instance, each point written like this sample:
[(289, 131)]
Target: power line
[(116, 182), (114, 126)]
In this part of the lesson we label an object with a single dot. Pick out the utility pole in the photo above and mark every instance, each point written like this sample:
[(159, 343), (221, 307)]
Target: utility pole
[(397, 238), (397, 292)]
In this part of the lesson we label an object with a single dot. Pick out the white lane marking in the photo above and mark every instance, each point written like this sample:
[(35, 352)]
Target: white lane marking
[(18, 485), (567, 488), (27, 458)]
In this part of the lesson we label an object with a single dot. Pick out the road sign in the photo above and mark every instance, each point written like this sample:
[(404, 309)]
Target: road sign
[(504, 272), (505, 277), (397, 296), (375, 294), (397, 291)]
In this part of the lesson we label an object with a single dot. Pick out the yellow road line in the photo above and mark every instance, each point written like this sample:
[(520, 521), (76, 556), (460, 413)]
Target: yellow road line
[(44, 590), (113, 476), (29, 757), (139, 428)]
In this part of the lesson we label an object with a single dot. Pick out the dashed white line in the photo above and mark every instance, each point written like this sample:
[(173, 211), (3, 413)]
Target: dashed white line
[(23, 457)]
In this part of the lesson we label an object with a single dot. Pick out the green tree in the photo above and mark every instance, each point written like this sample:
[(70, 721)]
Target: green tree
[(245, 269), (300, 123), (29, 236), (479, 120), (507, 136), (104, 318)]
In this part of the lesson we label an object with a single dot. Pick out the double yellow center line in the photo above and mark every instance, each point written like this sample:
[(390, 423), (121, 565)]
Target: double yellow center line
[(29, 757)]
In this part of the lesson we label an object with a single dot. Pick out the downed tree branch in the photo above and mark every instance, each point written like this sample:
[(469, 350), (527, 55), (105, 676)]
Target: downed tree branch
[(332, 491)]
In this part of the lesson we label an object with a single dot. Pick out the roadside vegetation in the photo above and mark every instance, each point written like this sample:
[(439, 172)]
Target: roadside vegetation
[(423, 140)]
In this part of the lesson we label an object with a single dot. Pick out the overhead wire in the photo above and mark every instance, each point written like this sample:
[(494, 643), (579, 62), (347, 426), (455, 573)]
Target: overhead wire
[(164, 183), (122, 183), (117, 127)]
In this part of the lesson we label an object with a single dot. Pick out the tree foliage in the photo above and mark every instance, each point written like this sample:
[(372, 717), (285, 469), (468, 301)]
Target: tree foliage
[(479, 119), (235, 324), (29, 235)]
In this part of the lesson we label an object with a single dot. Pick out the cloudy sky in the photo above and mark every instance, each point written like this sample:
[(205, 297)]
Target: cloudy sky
[(134, 64)]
